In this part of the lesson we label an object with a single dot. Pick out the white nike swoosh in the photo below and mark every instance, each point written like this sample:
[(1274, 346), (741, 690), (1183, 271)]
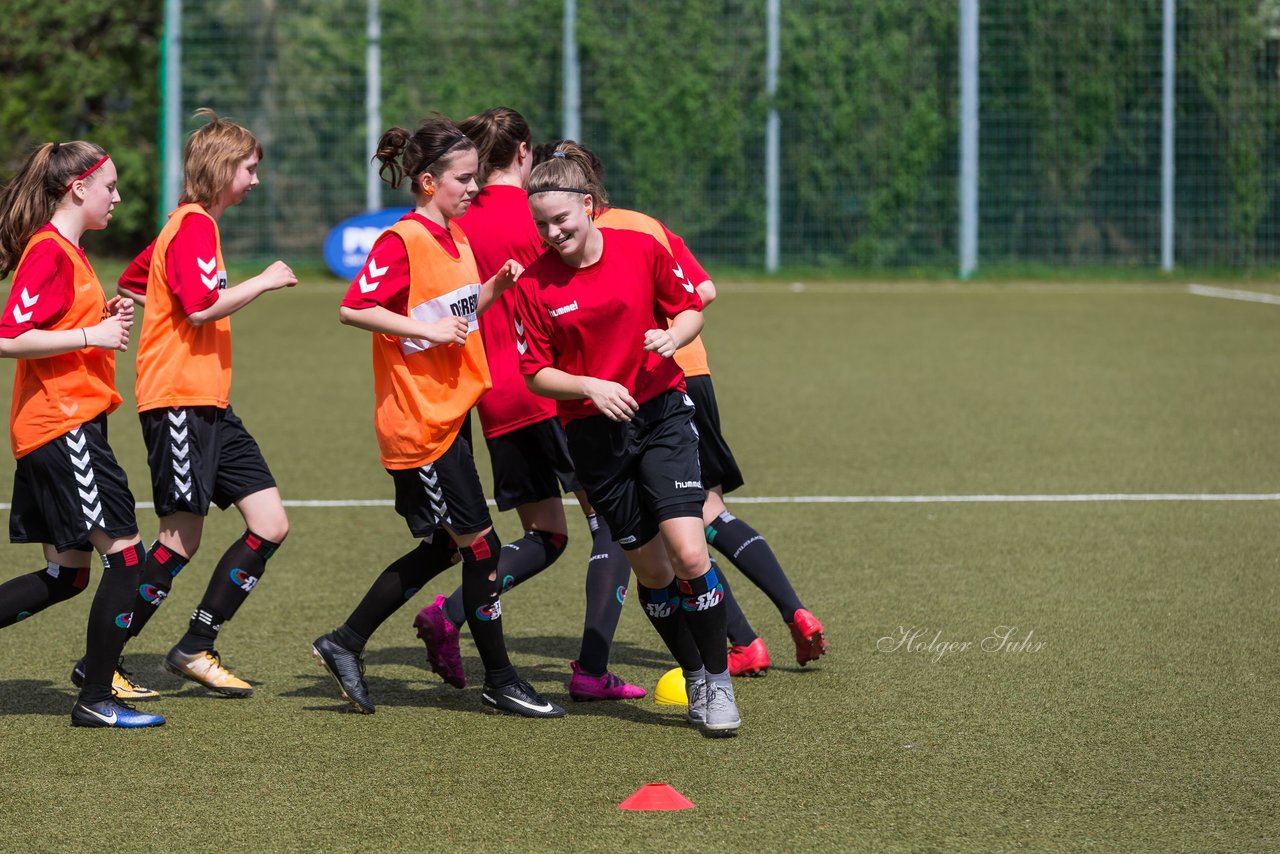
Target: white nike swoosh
[(107, 719), (545, 707)]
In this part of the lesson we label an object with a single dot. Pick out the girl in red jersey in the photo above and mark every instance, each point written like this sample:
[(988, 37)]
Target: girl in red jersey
[(198, 450), (529, 455), (601, 317), (69, 493), (420, 294), (745, 547)]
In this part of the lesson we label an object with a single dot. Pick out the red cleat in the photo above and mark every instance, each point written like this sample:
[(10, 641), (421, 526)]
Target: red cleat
[(749, 660), (811, 641)]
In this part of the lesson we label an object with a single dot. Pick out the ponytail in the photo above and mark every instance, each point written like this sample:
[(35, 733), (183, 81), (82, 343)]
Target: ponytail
[(28, 202), (497, 134), (427, 149)]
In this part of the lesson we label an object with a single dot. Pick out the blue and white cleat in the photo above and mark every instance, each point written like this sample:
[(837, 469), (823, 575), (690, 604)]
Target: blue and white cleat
[(112, 713)]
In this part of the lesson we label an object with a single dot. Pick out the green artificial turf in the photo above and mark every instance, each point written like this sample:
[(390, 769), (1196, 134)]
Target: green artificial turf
[(1131, 706)]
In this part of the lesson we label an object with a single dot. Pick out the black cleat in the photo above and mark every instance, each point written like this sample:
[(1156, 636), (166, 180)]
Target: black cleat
[(347, 668), (519, 698)]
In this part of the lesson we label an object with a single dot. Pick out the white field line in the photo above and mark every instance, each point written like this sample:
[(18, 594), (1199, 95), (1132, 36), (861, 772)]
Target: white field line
[(969, 288), (1228, 293), (874, 499)]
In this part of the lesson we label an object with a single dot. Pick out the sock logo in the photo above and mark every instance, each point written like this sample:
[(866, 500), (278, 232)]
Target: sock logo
[(621, 593), (243, 579), (123, 621), (151, 593), (742, 548), (490, 612), (507, 582), (409, 594), (660, 610), (705, 601), (22, 615)]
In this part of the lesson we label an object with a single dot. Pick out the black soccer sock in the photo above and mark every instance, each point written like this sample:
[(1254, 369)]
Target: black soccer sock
[(608, 573), (234, 578), (740, 631), (517, 563), (662, 607), (483, 607), (31, 593), (109, 618), (397, 583), (750, 553), (154, 584), (702, 600)]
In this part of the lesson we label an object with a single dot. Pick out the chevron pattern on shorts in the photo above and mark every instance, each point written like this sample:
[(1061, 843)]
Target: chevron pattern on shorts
[(180, 451), (86, 487), (435, 493)]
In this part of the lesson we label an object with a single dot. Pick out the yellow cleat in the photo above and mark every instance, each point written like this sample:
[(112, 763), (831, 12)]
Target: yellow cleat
[(122, 684), (205, 668)]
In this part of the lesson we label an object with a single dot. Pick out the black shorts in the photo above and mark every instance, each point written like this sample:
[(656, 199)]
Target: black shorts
[(531, 464), (67, 487), (719, 468), (640, 472), (444, 492), (201, 455)]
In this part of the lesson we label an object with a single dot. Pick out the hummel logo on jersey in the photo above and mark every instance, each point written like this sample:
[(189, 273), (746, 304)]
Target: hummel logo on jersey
[(28, 302), (679, 271), (519, 328), (564, 309), (208, 275), (688, 484), (377, 273)]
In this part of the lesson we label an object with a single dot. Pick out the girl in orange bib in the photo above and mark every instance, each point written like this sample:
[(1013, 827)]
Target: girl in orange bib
[(69, 493)]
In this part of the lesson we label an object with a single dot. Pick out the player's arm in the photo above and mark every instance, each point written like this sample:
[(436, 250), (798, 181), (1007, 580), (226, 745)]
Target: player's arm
[(229, 301), (692, 271), (496, 286), (132, 284), (675, 298), (612, 399), (376, 318)]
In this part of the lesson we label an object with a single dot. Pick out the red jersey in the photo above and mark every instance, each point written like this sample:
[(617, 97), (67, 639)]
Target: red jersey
[(55, 394), (499, 227), (591, 321), (385, 281)]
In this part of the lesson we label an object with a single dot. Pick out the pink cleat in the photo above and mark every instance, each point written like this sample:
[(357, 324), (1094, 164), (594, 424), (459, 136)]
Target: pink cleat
[(811, 641), (584, 686), (441, 636), (749, 660)]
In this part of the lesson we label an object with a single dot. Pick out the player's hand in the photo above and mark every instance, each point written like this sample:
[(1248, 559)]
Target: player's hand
[(508, 275), (119, 307), (447, 330), (612, 399), (660, 341), (110, 334), (278, 275)]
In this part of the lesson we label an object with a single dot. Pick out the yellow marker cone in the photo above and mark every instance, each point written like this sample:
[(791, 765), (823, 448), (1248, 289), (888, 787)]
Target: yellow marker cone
[(671, 690)]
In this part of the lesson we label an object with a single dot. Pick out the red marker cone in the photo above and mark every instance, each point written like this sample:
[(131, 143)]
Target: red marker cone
[(656, 796)]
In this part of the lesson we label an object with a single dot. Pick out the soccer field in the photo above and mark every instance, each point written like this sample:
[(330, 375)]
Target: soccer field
[(1039, 523)]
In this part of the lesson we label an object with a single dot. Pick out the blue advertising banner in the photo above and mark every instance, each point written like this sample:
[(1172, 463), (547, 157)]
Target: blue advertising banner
[(348, 244)]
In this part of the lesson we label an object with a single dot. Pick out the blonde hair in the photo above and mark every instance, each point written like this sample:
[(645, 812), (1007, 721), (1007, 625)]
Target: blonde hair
[(213, 153), (28, 202), (571, 166)]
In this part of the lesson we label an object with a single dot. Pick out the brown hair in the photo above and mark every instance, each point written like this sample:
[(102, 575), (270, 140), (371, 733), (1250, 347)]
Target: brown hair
[(497, 133), (571, 166), (427, 149), (213, 153), (28, 202)]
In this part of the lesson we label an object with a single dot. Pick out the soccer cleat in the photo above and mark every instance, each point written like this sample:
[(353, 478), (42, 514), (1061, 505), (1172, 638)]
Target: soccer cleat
[(444, 655), (584, 686), (519, 698), (122, 684), (697, 691), (347, 668), (722, 718), (205, 668), (749, 660), (806, 631), (112, 713)]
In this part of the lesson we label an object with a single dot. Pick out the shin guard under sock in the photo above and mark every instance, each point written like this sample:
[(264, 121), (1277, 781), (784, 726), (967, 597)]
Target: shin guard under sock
[(396, 585), (608, 573), (662, 607), (31, 593), (750, 553), (739, 630), (702, 600), (518, 561), (109, 618), (234, 578), (481, 602), (154, 584)]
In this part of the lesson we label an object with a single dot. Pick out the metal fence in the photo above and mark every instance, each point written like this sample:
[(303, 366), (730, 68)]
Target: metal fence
[(673, 96)]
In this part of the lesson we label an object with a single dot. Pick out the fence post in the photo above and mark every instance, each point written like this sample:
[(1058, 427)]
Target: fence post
[(772, 140), (571, 124), (968, 137), (372, 106), (171, 131), (1166, 138)]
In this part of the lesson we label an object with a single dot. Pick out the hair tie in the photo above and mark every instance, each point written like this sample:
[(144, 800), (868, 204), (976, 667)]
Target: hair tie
[(55, 148), (558, 190), (558, 153)]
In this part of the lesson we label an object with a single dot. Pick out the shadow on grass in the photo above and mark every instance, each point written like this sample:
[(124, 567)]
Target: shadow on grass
[(35, 697)]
